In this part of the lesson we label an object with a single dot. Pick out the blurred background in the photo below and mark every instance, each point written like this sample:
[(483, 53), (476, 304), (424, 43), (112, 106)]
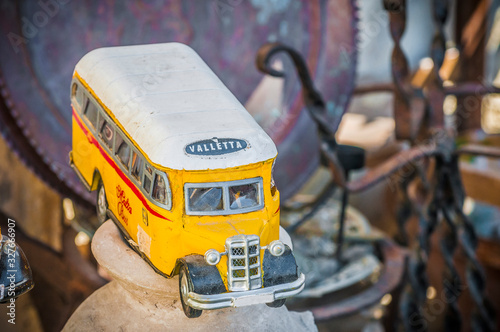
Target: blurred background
[(393, 76)]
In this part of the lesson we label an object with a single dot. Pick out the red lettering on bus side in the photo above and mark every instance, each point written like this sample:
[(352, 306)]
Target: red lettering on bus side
[(123, 204)]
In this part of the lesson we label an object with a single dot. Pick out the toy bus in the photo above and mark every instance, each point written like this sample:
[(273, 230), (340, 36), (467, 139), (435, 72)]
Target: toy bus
[(185, 173)]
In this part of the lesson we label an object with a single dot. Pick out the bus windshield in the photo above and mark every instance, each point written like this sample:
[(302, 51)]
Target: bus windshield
[(224, 197)]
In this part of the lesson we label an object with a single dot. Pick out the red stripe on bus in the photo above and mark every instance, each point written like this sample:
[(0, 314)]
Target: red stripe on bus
[(117, 169), (279, 207)]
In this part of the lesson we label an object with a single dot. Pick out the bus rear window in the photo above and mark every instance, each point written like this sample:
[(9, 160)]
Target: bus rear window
[(205, 199)]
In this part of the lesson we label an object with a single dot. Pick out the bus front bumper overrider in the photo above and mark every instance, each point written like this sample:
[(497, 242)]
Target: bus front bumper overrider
[(244, 298)]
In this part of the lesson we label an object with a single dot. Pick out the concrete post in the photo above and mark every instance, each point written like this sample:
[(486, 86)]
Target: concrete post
[(138, 299)]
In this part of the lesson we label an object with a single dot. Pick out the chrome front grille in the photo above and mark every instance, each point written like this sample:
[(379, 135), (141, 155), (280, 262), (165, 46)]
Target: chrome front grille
[(243, 270)]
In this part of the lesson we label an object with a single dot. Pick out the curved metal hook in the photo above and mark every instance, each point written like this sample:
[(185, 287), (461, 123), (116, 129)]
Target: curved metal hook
[(312, 98)]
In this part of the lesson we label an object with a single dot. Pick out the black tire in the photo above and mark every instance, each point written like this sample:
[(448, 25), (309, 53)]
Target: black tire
[(276, 303), (186, 286), (101, 204)]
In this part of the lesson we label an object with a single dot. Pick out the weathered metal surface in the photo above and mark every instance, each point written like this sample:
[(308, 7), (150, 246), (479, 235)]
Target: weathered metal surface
[(408, 104), (458, 89), (400, 162), (43, 43), (470, 36), (439, 201), (393, 258), (446, 211), (446, 194), (479, 150), (15, 273), (315, 249)]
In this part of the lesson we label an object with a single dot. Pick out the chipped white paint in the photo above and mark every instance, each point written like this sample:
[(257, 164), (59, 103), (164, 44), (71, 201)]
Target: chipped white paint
[(144, 241)]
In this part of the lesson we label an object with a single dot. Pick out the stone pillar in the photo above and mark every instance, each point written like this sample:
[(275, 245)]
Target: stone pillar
[(138, 299)]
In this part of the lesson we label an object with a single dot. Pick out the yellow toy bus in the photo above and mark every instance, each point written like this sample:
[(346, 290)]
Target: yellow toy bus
[(185, 173)]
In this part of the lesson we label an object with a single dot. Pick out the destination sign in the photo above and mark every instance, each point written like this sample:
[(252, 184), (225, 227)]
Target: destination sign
[(215, 146)]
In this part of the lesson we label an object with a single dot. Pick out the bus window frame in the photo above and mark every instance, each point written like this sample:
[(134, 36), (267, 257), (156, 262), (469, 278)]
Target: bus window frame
[(89, 99), (116, 146), (102, 142), (150, 178), (168, 193), (74, 99), (225, 197), (102, 116), (141, 170)]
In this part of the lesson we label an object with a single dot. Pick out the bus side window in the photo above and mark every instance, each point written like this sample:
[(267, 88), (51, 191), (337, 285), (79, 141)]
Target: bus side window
[(107, 134), (122, 151), (137, 163), (159, 193), (91, 112), (77, 94), (148, 173)]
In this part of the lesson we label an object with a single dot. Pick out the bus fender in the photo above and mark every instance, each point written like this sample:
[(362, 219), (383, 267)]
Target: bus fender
[(279, 269), (205, 278)]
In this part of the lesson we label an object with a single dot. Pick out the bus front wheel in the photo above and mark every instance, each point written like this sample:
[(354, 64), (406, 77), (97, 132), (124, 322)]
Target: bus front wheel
[(102, 204), (186, 286)]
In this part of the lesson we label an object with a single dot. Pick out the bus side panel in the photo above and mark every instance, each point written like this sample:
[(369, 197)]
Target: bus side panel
[(89, 155), (114, 185), (273, 206), (84, 152), (164, 242), (166, 233), (122, 201), (150, 226)]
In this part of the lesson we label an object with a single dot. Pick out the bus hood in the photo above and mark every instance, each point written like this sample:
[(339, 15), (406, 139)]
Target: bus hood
[(216, 233)]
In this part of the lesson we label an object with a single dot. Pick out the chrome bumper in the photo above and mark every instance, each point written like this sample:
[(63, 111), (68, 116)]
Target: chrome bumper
[(244, 298)]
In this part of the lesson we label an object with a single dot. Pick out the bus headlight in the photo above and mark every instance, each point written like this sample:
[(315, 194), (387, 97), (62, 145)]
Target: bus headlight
[(212, 257), (276, 248)]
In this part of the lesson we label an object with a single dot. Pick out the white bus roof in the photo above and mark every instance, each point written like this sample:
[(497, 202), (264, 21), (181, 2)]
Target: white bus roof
[(174, 107)]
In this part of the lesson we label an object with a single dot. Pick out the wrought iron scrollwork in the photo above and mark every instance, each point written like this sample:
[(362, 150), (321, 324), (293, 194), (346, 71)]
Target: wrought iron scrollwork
[(340, 159), (437, 203)]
